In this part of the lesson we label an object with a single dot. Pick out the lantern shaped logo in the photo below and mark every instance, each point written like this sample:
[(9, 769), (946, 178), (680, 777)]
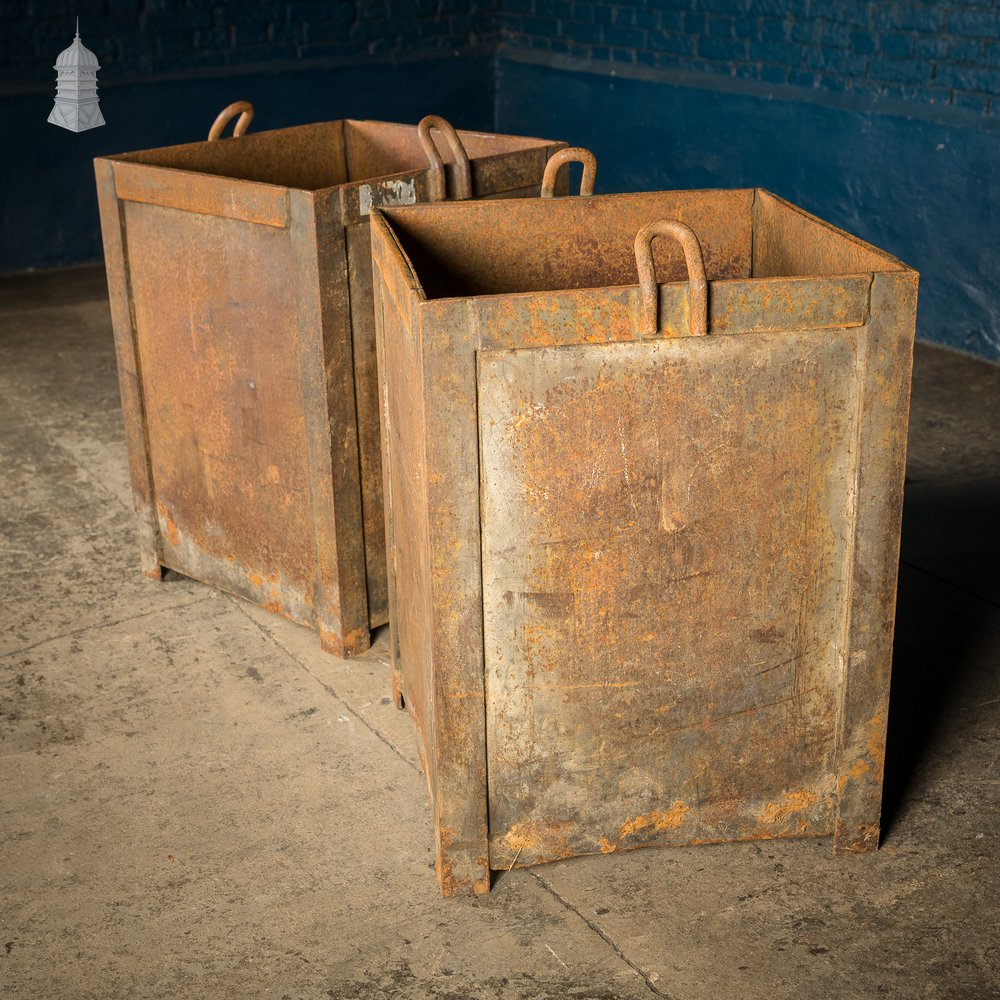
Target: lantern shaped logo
[(76, 106)]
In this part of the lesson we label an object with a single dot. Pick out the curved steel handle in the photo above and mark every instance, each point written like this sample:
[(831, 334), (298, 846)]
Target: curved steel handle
[(572, 154), (436, 177), (649, 319), (242, 108)]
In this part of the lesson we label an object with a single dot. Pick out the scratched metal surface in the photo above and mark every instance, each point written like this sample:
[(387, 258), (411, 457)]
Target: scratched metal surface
[(665, 552), (223, 404), (240, 272), (750, 618)]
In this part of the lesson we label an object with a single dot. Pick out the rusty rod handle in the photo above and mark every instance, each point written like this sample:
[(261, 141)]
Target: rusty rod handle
[(572, 154), (436, 177), (649, 318), (242, 108)]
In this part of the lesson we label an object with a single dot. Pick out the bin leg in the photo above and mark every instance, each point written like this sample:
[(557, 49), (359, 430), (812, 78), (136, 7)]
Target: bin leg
[(887, 350), (327, 380), (129, 378), (153, 570), (344, 645), (397, 690)]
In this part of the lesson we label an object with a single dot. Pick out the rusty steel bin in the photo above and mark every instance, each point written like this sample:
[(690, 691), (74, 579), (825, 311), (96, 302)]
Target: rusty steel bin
[(240, 279), (644, 463)]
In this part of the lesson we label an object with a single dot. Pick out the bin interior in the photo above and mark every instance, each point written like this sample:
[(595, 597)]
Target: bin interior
[(314, 157), (484, 248)]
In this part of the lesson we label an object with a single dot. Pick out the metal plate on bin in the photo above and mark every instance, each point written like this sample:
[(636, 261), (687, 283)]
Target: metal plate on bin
[(223, 403), (665, 546)]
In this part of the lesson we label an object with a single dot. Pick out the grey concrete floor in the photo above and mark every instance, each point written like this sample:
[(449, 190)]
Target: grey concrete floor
[(197, 802)]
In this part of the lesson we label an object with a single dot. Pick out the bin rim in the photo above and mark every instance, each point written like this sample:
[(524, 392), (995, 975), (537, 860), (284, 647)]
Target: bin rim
[(385, 216), (132, 157)]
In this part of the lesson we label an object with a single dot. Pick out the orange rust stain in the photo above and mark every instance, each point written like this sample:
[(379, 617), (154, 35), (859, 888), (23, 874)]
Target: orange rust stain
[(172, 532), (860, 767), (793, 802), (538, 836), (606, 847), (667, 819), (876, 737)]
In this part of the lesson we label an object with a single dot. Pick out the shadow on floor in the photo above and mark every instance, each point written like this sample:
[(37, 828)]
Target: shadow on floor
[(947, 616)]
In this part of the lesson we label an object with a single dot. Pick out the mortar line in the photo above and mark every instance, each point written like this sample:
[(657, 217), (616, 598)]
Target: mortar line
[(323, 684), (102, 625), (603, 936)]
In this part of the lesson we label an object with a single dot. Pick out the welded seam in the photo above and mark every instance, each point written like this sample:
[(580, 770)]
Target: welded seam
[(656, 991), (328, 688)]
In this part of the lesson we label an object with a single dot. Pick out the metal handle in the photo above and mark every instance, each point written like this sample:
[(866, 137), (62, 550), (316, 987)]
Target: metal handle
[(242, 108), (436, 176), (649, 319), (572, 154)]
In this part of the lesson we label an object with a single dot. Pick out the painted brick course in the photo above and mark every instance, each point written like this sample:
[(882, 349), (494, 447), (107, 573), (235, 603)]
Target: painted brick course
[(942, 53), (138, 38), (933, 53)]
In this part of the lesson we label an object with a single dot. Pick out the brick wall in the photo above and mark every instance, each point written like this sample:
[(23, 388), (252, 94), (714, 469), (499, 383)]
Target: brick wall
[(139, 38), (942, 53)]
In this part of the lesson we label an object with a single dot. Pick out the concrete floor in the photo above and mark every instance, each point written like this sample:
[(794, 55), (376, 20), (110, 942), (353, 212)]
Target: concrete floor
[(196, 802)]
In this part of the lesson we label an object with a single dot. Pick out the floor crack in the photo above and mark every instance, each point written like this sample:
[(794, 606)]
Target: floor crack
[(102, 625), (650, 985), (326, 687)]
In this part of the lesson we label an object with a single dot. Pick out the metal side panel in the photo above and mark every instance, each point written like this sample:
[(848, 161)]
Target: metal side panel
[(666, 545), (220, 364)]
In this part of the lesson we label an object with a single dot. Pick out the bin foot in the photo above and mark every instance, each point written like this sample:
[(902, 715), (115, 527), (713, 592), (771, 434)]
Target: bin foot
[(462, 872), (153, 570), (351, 643), (855, 839), (397, 690)]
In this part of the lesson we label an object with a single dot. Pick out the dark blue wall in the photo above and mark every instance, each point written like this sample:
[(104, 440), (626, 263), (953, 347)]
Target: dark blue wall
[(924, 190), (925, 52)]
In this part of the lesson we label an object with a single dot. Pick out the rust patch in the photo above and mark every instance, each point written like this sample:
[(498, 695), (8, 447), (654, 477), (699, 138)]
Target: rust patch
[(793, 802), (667, 819), (538, 835), (859, 768), (166, 519)]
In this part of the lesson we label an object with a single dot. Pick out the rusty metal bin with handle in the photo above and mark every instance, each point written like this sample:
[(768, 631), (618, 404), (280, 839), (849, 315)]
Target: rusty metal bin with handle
[(644, 465), (239, 271)]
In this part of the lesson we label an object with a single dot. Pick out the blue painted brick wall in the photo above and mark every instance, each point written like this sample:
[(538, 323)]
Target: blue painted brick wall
[(934, 53), (141, 38)]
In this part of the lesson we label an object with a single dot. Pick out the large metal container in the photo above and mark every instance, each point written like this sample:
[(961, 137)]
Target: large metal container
[(643, 504), (240, 280)]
